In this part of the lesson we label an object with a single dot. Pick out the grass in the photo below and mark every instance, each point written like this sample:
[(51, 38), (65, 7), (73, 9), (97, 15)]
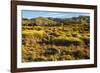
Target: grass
[(44, 43), (33, 33), (61, 40)]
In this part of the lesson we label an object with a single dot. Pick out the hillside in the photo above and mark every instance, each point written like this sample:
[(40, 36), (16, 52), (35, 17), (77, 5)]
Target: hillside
[(56, 21), (55, 39)]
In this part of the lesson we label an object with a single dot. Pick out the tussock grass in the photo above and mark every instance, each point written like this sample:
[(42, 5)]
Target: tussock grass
[(33, 33), (44, 43), (67, 41)]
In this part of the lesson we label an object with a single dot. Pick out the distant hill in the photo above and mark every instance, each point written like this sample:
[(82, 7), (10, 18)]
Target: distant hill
[(49, 21)]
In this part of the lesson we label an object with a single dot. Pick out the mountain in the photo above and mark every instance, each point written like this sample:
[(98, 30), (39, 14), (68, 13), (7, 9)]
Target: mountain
[(49, 21)]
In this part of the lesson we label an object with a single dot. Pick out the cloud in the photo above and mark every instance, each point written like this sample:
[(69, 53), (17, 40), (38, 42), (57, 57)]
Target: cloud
[(34, 14)]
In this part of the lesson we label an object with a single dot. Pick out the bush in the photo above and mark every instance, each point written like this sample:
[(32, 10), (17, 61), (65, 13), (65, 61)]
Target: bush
[(75, 41), (33, 33), (68, 34), (88, 35), (86, 40), (66, 52), (51, 51), (38, 28), (39, 59), (66, 57), (56, 34), (81, 54), (75, 34), (74, 29), (67, 41), (27, 28)]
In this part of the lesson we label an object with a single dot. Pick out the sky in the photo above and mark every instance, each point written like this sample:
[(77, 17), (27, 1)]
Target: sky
[(33, 14)]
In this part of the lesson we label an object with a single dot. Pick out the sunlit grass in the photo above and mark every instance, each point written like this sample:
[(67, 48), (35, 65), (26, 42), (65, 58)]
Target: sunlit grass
[(43, 43)]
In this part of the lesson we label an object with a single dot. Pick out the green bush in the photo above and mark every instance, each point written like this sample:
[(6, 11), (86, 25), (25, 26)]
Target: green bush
[(68, 34), (86, 39), (33, 33), (27, 28), (75, 41), (75, 34), (38, 28), (56, 34), (67, 41)]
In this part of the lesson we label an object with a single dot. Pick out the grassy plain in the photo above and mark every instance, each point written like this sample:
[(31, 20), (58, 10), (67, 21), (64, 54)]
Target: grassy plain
[(55, 43)]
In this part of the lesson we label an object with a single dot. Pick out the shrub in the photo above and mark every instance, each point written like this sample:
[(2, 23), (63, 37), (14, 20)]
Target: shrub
[(66, 52), (75, 41), (86, 40), (51, 51), (68, 34), (81, 54), (38, 28), (39, 58), (75, 34), (78, 54), (56, 34), (88, 35), (33, 33), (61, 33), (74, 29), (66, 57), (27, 28), (67, 41), (52, 58)]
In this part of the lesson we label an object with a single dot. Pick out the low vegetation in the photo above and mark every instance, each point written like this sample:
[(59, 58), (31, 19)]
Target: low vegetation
[(52, 39)]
